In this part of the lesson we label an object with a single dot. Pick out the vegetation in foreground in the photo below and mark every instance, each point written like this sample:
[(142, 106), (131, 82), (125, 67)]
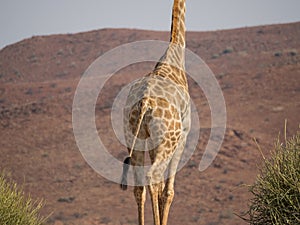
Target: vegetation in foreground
[(15, 207), (277, 188)]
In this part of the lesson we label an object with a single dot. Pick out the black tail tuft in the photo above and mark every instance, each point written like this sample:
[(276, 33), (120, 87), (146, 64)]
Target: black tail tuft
[(126, 165)]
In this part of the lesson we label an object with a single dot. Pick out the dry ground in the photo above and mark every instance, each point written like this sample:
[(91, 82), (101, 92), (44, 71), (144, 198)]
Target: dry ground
[(257, 68)]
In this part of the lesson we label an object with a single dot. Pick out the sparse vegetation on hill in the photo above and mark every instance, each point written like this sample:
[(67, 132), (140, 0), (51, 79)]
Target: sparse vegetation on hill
[(15, 207), (38, 81), (277, 189)]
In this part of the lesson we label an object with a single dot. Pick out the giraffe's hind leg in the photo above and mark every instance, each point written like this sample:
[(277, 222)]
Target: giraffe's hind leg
[(139, 190), (154, 190), (168, 192), (140, 197), (155, 177)]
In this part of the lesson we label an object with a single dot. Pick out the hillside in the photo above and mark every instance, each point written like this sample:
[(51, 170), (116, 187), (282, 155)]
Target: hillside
[(258, 69)]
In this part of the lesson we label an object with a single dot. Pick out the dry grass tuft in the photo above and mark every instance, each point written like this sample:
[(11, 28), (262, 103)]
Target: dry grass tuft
[(16, 208), (277, 189)]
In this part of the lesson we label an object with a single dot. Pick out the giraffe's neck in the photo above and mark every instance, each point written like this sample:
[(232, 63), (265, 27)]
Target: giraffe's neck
[(172, 62), (178, 23)]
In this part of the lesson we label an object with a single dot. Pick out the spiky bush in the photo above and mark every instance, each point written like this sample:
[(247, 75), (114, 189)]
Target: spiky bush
[(15, 207), (277, 189)]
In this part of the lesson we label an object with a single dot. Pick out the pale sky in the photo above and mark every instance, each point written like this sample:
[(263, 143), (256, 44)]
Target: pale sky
[(21, 19)]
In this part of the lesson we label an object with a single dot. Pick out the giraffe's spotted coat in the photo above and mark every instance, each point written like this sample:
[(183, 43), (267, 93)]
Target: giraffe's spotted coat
[(157, 120)]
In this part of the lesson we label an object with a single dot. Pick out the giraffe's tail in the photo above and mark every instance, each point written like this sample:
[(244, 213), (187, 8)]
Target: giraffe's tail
[(126, 165), (127, 161)]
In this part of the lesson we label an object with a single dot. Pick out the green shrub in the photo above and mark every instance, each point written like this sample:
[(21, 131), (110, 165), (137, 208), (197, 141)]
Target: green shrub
[(277, 189), (228, 50), (15, 207)]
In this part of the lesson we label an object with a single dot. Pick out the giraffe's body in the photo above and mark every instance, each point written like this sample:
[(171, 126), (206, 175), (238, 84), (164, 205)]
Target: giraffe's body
[(157, 120)]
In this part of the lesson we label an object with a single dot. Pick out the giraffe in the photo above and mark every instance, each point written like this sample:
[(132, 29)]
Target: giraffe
[(157, 119)]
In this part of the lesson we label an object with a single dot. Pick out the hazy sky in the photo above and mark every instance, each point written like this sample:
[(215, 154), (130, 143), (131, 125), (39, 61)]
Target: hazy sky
[(21, 19)]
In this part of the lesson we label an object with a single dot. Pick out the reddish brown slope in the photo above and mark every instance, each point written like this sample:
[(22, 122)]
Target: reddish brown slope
[(257, 68)]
